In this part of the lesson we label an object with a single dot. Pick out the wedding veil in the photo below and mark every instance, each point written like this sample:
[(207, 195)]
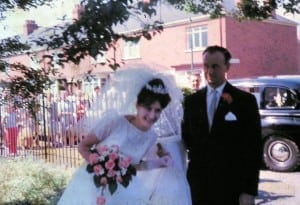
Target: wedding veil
[(118, 97)]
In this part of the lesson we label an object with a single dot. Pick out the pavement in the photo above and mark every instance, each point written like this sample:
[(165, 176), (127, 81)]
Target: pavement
[(277, 188)]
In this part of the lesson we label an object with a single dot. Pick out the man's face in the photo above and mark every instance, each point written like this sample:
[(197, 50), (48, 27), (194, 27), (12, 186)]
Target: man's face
[(215, 68)]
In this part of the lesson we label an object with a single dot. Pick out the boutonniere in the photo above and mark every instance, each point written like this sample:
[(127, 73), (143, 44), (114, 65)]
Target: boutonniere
[(226, 97)]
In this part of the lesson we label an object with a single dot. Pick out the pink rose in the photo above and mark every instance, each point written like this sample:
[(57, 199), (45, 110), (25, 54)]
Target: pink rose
[(100, 200), (123, 163), (98, 169), (119, 179), (110, 164), (111, 173), (93, 158), (128, 159), (103, 181), (113, 156)]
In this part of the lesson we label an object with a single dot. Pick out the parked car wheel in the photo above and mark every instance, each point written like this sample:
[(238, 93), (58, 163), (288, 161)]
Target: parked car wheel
[(281, 154)]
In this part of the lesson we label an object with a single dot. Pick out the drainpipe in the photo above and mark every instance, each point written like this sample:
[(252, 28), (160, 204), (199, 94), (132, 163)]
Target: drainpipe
[(192, 47), (221, 30)]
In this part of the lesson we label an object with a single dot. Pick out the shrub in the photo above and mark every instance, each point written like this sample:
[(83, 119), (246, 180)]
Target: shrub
[(187, 91), (31, 182)]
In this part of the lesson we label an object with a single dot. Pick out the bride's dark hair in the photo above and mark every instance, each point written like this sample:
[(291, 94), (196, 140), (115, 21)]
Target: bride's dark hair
[(154, 90)]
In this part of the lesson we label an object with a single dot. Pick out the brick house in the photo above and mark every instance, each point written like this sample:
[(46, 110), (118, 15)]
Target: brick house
[(268, 47)]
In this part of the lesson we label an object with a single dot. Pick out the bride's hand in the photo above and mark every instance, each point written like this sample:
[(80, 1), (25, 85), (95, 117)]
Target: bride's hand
[(165, 160), (154, 163)]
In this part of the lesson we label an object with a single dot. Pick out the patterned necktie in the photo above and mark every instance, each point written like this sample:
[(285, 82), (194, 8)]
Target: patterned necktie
[(212, 107)]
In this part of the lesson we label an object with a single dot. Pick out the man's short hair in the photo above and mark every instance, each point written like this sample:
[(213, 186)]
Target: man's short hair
[(216, 48)]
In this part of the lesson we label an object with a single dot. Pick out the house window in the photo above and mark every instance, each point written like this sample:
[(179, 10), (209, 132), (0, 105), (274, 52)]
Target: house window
[(99, 59), (197, 38), (90, 84), (131, 49), (34, 62)]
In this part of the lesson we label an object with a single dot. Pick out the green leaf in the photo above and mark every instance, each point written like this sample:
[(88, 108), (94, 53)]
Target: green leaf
[(132, 170), (113, 187), (89, 168), (125, 183), (97, 180)]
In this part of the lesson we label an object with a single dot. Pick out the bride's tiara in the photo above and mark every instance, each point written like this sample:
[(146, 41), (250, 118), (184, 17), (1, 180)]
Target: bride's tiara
[(157, 89)]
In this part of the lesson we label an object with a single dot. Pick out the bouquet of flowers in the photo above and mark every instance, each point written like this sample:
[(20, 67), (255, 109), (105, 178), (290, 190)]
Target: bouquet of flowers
[(110, 168)]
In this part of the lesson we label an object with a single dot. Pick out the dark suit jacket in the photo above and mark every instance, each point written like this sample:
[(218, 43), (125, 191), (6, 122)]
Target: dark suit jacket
[(225, 161)]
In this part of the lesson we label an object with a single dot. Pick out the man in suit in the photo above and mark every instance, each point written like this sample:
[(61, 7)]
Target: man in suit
[(225, 148)]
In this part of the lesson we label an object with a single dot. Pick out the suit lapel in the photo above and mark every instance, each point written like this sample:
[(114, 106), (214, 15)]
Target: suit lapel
[(201, 102), (222, 104), (221, 110), (222, 107)]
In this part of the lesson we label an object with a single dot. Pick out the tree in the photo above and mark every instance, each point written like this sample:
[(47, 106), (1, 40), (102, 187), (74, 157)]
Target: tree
[(8, 5), (93, 32)]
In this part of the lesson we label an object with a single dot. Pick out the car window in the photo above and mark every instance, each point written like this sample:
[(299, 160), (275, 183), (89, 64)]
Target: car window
[(279, 98)]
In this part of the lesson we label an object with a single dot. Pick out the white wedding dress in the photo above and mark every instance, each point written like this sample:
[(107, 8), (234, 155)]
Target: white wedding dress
[(161, 186)]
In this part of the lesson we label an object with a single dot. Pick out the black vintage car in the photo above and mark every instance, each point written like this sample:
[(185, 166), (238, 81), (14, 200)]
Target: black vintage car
[(278, 98)]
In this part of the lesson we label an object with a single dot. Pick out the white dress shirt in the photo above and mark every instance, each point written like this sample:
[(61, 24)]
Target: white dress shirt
[(209, 98)]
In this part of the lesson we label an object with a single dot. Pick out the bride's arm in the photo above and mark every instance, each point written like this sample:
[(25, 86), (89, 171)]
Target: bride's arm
[(86, 144), (99, 131), (177, 152), (156, 158), (163, 161)]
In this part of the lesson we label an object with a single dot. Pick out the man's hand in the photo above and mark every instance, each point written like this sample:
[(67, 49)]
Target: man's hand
[(161, 151), (246, 199)]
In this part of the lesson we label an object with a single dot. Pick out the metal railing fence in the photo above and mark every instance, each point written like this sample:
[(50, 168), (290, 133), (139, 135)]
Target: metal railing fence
[(50, 134)]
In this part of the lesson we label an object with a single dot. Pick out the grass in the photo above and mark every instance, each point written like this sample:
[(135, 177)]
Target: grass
[(26, 181)]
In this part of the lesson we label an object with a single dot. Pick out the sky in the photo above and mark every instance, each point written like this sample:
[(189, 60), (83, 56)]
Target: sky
[(46, 16)]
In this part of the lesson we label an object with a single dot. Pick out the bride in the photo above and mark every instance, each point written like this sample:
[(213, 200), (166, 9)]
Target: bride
[(140, 112)]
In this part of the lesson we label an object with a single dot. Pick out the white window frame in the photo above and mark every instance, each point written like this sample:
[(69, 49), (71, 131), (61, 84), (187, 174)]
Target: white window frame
[(196, 33), (131, 49), (34, 62), (99, 59), (88, 86)]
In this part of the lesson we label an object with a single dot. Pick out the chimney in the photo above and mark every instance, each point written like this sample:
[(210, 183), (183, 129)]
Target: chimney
[(77, 11), (30, 26)]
